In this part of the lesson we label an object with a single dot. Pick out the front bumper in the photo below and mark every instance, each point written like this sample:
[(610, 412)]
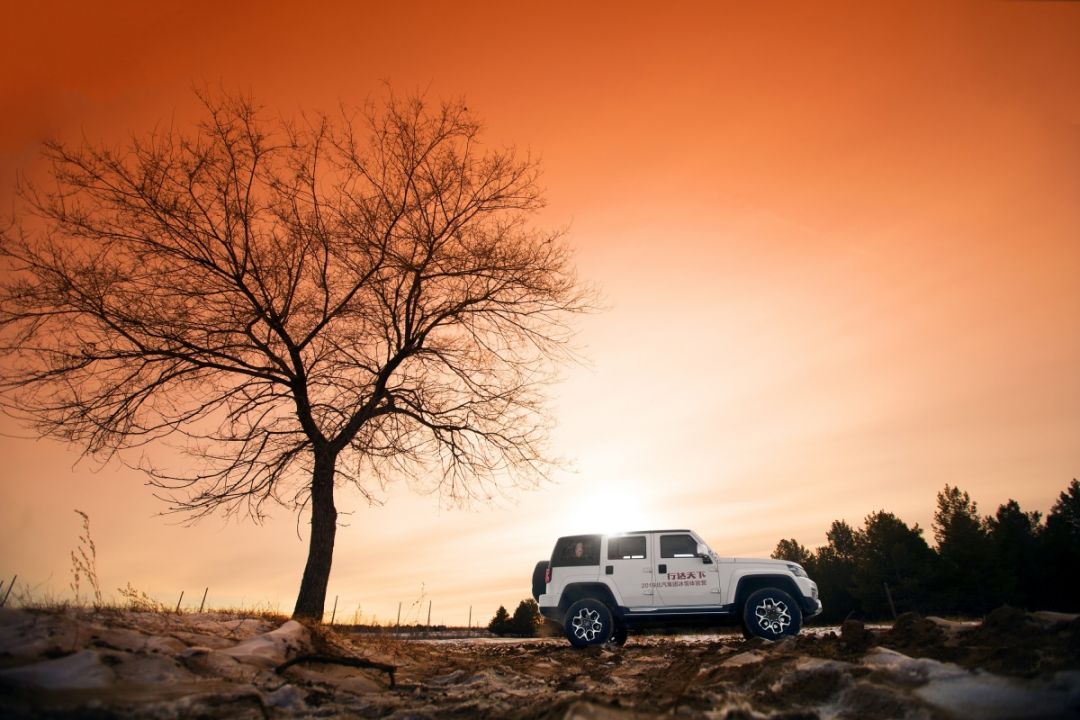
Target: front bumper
[(808, 597)]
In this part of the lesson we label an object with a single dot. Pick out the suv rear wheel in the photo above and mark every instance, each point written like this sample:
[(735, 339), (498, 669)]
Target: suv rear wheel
[(588, 622), (771, 613)]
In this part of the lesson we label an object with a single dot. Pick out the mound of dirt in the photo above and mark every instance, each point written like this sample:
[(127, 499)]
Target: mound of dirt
[(138, 665), (1008, 641)]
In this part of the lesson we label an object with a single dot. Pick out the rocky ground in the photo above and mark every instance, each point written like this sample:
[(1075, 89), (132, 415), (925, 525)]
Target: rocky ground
[(111, 663)]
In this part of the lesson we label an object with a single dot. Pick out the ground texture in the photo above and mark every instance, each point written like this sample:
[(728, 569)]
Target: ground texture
[(108, 663)]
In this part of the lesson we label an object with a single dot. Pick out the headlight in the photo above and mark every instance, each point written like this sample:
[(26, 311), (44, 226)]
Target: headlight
[(797, 570)]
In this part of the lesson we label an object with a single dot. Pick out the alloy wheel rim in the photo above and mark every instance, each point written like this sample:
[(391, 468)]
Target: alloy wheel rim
[(587, 625), (773, 616)]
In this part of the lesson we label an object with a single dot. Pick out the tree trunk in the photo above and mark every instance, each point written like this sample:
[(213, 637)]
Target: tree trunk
[(312, 598)]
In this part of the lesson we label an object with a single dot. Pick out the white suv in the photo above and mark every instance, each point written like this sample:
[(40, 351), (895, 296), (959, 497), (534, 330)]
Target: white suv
[(601, 586)]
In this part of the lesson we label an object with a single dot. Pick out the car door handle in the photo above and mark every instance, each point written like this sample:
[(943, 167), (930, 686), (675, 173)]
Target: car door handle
[(647, 570), (662, 568)]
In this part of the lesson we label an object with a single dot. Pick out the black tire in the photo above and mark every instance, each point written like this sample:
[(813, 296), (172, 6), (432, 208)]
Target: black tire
[(539, 579), (772, 614), (588, 622), (619, 634)]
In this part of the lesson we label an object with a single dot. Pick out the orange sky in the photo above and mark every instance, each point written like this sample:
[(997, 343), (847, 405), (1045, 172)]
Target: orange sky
[(839, 244)]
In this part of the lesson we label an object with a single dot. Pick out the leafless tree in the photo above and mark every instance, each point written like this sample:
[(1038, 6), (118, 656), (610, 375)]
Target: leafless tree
[(299, 305)]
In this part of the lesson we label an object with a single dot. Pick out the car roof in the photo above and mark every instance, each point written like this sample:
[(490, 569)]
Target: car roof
[(620, 534), (643, 532)]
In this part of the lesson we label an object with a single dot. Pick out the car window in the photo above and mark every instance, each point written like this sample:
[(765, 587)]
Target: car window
[(576, 550), (678, 546), (630, 547)]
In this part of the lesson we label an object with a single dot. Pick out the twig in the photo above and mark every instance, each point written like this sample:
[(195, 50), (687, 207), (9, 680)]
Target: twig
[(337, 660), (10, 586)]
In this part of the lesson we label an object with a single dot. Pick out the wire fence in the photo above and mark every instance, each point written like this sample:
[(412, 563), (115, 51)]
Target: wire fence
[(412, 620)]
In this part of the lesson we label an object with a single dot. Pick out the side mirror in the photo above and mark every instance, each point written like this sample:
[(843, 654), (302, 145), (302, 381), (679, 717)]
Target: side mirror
[(703, 553)]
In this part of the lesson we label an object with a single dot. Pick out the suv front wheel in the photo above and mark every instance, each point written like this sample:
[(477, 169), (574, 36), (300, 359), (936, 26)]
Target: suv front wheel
[(771, 613), (588, 622)]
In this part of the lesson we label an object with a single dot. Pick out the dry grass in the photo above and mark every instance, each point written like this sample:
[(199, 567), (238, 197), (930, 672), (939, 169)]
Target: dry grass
[(84, 577), (133, 600)]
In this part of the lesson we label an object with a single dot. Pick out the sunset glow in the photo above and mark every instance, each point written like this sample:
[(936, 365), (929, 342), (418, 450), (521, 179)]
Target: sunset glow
[(837, 248)]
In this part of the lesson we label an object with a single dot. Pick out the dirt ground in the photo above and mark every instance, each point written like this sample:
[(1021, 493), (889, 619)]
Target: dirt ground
[(139, 665)]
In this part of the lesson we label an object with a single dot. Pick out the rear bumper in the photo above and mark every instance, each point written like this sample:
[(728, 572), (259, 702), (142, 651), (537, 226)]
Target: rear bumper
[(551, 613), (547, 607)]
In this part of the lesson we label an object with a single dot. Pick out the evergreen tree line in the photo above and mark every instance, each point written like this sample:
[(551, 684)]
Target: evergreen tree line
[(525, 621), (1012, 557)]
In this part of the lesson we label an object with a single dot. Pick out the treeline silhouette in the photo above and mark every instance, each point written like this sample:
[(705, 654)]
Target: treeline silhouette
[(978, 563), (525, 621)]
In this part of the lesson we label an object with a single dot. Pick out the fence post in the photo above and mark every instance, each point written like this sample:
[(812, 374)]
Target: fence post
[(399, 613), (470, 617), (203, 603), (888, 596), (429, 614), (179, 601), (333, 614), (10, 586)]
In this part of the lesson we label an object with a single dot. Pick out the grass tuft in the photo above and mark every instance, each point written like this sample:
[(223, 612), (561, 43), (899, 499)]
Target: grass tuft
[(84, 563)]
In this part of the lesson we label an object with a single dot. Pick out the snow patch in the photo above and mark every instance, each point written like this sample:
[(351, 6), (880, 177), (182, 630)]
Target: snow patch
[(993, 697), (952, 626), (964, 693), (1048, 617), (82, 670), (286, 697), (274, 647)]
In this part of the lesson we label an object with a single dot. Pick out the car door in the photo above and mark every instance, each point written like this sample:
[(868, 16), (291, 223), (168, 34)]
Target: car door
[(629, 567), (682, 577)]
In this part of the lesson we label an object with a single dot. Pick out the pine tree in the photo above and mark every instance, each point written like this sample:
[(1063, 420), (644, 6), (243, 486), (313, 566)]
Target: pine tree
[(1060, 545), (526, 619), (793, 551), (1015, 535), (834, 572), (889, 552), (970, 579), (500, 624)]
